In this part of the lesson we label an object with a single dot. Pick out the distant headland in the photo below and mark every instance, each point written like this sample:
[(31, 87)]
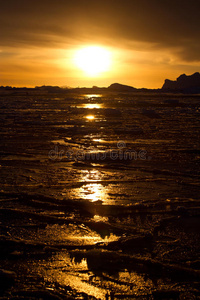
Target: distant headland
[(183, 84)]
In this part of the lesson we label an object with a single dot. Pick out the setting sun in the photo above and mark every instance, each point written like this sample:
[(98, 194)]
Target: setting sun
[(93, 60)]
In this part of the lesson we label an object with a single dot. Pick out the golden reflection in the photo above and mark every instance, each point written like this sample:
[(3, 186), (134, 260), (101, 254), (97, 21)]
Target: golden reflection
[(90, 117), (98, 218), (92, 105), (93, 192), (80, 265), (88, 96), (91, 175), (66, 270), (72, 234), (98, 140)]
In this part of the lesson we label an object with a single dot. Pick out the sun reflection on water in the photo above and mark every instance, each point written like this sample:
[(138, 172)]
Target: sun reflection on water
[(89, 96), (92, 105), (93, 187), (92, 192), (68, 272), (78, 270), (98, 218), (90, 117)]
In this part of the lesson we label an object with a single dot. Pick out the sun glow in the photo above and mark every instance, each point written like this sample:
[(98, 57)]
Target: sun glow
[(93, 60)]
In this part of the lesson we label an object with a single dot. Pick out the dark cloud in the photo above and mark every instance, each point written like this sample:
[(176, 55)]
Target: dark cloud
[(173, 24)]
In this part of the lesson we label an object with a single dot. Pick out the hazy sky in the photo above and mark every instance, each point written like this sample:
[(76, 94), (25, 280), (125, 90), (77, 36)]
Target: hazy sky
[(149, 40)]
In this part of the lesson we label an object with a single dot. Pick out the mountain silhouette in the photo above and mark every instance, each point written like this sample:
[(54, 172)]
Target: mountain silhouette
[(121, 87), (184, 84), (189, 83)]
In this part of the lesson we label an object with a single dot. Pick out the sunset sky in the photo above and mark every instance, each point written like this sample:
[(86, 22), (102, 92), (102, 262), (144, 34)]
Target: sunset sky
[(146, 40)]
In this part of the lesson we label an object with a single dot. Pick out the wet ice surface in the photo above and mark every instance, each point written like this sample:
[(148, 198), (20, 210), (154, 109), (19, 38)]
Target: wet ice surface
[(99, 194)]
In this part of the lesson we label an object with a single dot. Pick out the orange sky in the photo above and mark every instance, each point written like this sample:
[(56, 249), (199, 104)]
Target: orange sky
[(149, 41)]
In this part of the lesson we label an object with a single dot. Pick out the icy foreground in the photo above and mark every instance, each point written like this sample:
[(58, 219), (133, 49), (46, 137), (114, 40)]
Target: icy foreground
[(99, 196)]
